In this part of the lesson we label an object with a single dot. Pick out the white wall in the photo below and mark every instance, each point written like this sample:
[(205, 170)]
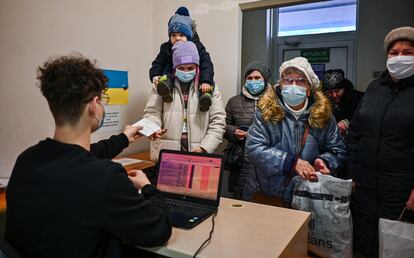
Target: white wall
[(116, 33), (119, 34)]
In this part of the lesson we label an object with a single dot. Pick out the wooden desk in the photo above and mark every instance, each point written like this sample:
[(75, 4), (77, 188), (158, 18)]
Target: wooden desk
[(253, 230), (144, 156)]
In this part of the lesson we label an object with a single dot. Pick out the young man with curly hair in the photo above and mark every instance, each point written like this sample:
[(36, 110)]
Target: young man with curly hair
[(66, 198)]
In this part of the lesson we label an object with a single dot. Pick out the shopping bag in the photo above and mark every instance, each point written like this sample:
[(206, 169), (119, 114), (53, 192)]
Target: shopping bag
[(330, 228), (396, 238)]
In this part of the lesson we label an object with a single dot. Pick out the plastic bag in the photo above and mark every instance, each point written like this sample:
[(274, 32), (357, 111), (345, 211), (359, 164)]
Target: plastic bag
[(328, 199), (396, 238)]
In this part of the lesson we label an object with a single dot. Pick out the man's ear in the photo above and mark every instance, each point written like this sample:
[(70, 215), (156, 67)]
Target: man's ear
[(93, 104)]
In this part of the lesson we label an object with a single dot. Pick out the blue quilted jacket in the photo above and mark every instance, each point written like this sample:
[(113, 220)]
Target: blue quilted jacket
[(271, 148)]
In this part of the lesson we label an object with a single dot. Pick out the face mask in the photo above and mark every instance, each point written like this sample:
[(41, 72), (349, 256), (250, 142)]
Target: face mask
[(100, 121), (255, 86), (401, 67), (293, 95), (185, 76)]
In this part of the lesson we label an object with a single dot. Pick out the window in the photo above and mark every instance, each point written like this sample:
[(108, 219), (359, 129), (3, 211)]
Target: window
[(316, 18)]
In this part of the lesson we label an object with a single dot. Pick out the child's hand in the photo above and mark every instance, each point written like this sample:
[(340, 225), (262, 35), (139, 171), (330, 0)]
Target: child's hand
[(157, 134), (206, 88), (155, 80)]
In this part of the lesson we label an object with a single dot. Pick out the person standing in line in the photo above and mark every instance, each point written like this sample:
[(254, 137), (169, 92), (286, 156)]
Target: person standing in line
[(381, 145), (184, 126), (239, 116), (343, 96), (293, 134)]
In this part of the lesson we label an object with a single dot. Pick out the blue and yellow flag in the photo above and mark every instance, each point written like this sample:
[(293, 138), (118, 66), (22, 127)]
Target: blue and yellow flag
[(117, 87)]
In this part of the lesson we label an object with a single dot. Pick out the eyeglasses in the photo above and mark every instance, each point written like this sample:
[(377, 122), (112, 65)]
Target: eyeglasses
[(297, 81), (105, 98)]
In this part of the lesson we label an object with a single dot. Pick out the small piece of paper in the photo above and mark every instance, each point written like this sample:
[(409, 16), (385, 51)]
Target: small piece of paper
[(149, 127), (127, 161)]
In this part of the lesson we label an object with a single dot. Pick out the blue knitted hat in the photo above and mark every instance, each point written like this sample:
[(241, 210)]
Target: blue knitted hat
[(182, 11), (182, 24)]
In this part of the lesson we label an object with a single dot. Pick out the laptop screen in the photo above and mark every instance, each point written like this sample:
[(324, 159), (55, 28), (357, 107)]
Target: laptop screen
[(190, 175)]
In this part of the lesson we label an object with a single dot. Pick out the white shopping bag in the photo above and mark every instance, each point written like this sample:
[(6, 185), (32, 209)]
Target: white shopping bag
[(328, 199), (396, 238)]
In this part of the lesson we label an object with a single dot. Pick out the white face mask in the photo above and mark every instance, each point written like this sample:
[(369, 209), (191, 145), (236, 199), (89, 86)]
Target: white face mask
[(401, 67)]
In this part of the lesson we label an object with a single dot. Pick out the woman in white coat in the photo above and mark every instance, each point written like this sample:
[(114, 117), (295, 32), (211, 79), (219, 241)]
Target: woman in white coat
[(184, 126)]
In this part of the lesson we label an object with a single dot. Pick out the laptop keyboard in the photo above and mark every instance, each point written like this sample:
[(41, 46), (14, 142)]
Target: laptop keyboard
[(189, 210)]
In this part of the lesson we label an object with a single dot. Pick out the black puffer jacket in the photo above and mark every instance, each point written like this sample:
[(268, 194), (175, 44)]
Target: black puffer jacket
[(381, 157), (239, 112)]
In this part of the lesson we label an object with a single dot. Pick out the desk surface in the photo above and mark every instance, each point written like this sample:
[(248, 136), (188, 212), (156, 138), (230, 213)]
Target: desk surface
[(252, 230), (145, 160)]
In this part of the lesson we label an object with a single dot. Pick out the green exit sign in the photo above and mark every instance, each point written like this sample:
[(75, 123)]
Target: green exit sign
[(316, 55)]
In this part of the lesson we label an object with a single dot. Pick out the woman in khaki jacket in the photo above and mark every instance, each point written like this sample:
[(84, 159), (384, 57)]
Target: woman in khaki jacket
[(184, 126)]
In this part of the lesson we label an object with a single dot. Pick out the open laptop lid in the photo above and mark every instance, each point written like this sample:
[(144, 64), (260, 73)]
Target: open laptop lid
[(190, 176)]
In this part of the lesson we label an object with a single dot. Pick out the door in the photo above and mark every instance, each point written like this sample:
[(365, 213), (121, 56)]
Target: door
[(323, 55)]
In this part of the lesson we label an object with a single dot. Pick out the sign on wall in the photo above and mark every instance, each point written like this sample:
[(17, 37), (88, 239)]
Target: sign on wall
[(117, 86), (316, 55)]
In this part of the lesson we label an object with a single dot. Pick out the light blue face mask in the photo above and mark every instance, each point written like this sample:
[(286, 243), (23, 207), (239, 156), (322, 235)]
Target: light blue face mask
[(185, 76), (293, 95), (255, 86), (100, 121)]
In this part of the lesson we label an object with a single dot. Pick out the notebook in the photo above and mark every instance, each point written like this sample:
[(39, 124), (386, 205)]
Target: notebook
[(191, 184)]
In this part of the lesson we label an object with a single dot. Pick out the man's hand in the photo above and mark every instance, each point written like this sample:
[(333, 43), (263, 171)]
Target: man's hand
[(138, 178), (206, 88), (342, 126), (304, 169), (410, 202), (132, 132), (199, 150), (157, 134), (240, 134)]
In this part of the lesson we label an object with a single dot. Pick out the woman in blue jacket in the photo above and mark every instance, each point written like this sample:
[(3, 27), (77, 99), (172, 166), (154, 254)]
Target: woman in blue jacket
[(288, 113)]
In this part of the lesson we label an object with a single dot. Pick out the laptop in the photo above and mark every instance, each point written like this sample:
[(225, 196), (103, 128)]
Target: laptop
[(190, 183)]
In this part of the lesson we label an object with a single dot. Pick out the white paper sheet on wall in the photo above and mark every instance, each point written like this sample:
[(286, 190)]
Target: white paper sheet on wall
[(112, 121)]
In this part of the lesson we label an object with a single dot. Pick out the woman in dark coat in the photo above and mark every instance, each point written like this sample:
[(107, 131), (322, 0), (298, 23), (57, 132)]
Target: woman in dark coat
[(381, 144), (240, 110)]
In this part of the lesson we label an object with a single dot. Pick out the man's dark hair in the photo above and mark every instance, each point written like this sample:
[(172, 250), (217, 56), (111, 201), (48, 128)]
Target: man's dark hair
[(68, 83)]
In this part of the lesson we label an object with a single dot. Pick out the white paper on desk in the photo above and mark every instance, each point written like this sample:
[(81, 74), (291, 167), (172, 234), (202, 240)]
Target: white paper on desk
[(127, 161), (149, 127)]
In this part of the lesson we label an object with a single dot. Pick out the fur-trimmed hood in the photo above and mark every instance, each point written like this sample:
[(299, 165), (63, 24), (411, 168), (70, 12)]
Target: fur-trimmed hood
[(319, 108)]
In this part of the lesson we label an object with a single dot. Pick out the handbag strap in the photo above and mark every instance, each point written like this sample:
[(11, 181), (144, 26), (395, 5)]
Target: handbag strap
[(402, 213), (302, 146)]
